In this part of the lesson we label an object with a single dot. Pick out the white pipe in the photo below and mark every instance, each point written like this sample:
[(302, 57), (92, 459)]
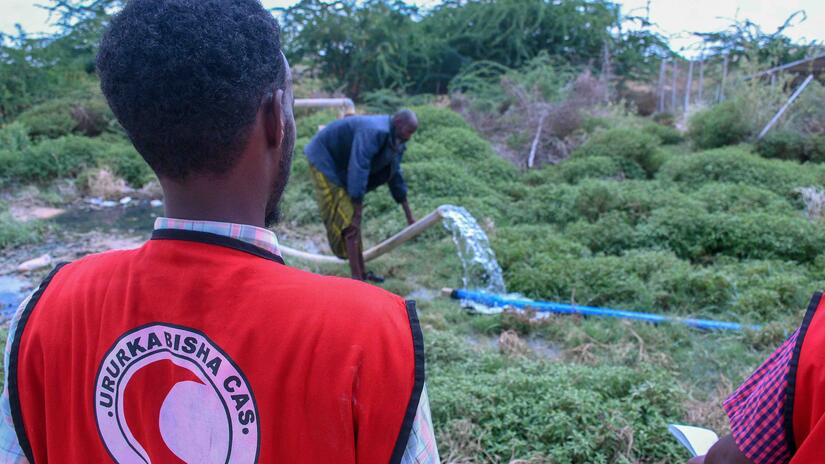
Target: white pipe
[(386, 246), (345, 103), (786, 106)]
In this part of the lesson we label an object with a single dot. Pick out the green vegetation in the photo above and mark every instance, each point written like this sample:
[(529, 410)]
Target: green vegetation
[(70, 155), (14, 233), (723, 124), (789, 145), (635, 150)]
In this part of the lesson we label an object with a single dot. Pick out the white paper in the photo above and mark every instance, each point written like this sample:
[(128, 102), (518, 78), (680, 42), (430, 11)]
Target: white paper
[(696, 439)]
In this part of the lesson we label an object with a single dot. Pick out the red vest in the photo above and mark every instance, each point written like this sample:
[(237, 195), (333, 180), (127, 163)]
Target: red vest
[(805, 406), (200, 348)]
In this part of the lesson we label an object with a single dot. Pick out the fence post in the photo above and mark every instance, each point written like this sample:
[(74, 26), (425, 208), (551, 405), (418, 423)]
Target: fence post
[(674, 71), (724, 79), (660, 89), (688, 86), (701, 78)]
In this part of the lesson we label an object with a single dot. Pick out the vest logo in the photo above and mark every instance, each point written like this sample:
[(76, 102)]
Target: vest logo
[(168, 394)]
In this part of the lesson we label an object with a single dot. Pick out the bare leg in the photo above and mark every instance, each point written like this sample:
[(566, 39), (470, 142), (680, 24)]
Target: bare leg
[(352, 240)]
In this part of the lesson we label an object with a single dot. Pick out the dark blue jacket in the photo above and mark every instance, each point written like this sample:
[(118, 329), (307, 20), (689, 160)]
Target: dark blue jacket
[(359, 153)]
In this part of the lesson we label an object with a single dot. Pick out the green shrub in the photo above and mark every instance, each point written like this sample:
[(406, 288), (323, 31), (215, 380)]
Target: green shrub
[(655, 281), (9, 162), (307, 126), (697, 235), (559, 203), (634, 198), (771, 290), (546, 204), (664, 119), (720, 125), (420, 149), (87, 115), (463, 144), (627, 145), (464, 149), (432, 117), (557, 412), (739, 198), (14, 233), (51, 119), (668, 135), (63, 157), (442, 179), (574, 170), (127, 163), (788, 145), (591, 123), (523, 243), (612, 233), (597, 198), (631, 281), (738, 166), (14, 137)]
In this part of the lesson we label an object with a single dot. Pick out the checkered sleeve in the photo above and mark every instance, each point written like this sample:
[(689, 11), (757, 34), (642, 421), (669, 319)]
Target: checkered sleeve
[(756, 409), (421, 447), (10, 452)]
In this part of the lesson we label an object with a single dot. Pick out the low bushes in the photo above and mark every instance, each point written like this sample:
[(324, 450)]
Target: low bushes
[(432, 118), (465, 150), (14, 233), (87, 115), (308, 125), (720, 125), (668, 135), (14, 137), (789, 145), (737, 165), (68, 156), (697, 235), (550, 411), (127, 163), (630, 147), (574, 170)]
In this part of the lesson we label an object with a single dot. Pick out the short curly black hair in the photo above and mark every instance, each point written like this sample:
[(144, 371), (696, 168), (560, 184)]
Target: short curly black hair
[(185, 78)]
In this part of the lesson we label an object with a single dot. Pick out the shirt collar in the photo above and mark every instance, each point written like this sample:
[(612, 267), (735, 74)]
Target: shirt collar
[(258, 236)]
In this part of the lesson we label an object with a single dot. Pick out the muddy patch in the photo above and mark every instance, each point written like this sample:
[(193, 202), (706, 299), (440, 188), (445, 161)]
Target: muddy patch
[(32, 213)]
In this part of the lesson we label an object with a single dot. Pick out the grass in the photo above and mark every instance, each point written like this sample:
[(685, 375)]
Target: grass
[(14, 233)]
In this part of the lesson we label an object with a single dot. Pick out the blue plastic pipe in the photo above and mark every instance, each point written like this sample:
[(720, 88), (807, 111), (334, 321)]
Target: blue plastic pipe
[(498, 301)]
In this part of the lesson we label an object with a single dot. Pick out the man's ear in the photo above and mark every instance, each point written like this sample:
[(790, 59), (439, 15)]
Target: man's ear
[(273, 118)]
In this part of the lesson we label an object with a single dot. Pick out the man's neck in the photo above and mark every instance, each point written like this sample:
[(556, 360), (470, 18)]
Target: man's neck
[(198, 201)]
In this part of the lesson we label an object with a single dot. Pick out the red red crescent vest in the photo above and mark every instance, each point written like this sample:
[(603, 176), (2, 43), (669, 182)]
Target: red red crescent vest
[(805, 405), (199, 348)]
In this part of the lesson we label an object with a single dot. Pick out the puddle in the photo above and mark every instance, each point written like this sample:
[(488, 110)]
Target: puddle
[(136, 218)]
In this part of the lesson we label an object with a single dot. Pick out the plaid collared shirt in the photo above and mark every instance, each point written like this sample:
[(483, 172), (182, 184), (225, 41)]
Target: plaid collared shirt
[(421, 447), (756, 409)]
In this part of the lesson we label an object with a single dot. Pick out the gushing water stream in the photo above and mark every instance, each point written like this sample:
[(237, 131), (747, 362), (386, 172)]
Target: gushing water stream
[(481, 270)]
